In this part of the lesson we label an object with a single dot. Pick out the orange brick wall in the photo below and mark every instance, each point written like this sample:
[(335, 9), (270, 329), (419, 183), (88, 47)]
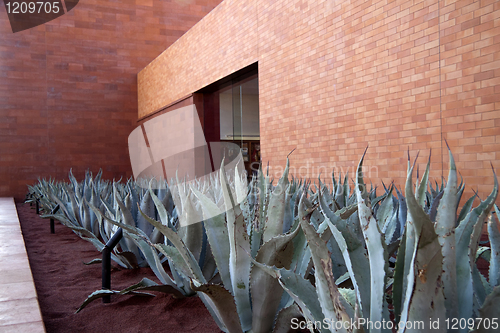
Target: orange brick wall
[(68, 88), (224, 43), (337, 76)]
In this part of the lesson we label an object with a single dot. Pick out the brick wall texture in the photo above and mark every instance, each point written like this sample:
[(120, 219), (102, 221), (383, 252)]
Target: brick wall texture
[(336, 76), (68, 88)]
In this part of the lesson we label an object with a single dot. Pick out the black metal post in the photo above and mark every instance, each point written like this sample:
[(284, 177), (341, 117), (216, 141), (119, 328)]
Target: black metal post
[(37, 207), (106, 272), (52, 227), (106, 262)]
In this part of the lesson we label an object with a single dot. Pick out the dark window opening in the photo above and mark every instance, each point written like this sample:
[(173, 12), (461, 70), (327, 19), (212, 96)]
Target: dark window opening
[(229, 112)]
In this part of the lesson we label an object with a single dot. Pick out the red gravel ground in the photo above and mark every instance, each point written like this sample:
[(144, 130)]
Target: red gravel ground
[(63, 282)]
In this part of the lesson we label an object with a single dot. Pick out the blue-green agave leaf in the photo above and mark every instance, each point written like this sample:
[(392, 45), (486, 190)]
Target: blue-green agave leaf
[(93, 261), (300, 289), (445, 229), (489, 313), (376, 252), (354, 254), (153, 260), (218, 237), (193, 268), (221, 302), (96, 295), (266, 291), (422, 291), (466, 209), (239, 261), (276, 209), (494, 235), (467, 241), (148, 285), (328, 294), (399, 278), (286, 318), (422, 185)]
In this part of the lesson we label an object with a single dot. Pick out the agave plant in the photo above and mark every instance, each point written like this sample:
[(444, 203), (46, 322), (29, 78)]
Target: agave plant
[(42, 191), (86, 207), (235, 233), (156, 249), (58, 201), (248, 299)]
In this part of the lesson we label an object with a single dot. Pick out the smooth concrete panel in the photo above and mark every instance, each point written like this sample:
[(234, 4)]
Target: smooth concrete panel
[(19, 308)]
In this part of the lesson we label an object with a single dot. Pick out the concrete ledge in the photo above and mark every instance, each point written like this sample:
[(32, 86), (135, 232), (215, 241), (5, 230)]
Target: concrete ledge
[(19, 308)]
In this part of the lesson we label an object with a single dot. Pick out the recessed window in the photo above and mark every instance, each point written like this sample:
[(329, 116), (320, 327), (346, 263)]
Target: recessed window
[(239, 111), (231, 114)]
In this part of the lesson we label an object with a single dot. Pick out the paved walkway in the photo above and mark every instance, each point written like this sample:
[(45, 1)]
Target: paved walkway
[(19, 309)]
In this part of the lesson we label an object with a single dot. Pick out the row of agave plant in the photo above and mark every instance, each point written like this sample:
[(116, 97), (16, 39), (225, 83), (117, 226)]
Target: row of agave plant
[(88, 206), (265, 256)]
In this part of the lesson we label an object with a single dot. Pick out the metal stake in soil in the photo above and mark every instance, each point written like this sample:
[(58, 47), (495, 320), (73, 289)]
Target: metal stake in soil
[(106, 262)]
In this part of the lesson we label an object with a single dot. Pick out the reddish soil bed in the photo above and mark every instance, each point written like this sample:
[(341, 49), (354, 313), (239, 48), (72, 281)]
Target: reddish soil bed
[(63, 282)]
